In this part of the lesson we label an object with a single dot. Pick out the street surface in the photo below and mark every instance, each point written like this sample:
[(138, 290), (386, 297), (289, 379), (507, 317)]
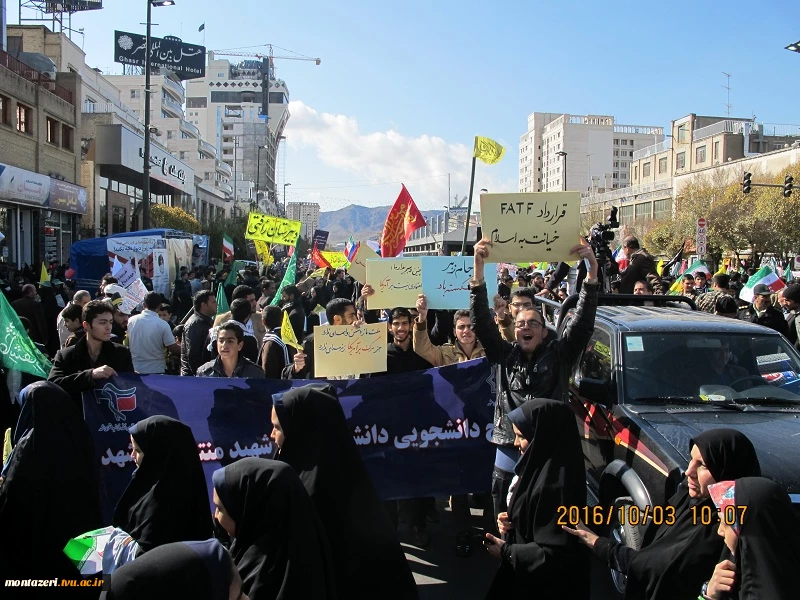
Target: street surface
[(441, 574)]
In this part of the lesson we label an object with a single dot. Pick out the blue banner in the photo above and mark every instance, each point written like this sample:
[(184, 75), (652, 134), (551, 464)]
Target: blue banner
[(421, 434)]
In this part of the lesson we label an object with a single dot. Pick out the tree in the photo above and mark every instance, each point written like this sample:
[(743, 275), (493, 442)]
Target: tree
[(234, 228), (664, 238), (173, 217)]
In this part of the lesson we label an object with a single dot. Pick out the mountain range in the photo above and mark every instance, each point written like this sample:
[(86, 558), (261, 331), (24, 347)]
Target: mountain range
[(361, 222)]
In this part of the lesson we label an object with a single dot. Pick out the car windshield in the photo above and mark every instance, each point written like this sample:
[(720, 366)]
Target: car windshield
[(710, 367)]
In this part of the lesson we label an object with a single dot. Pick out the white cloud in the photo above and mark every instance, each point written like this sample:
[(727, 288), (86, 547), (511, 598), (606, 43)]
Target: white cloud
[(380, 158)]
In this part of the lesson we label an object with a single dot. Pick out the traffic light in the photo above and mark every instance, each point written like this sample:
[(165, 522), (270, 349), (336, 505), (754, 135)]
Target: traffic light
[(746, 183), (787, 186)]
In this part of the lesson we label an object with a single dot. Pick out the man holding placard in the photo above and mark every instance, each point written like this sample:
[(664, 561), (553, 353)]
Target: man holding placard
[(535, 365)]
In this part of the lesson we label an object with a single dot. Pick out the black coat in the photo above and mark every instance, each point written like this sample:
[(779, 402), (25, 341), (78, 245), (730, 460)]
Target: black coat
[(72, 367), (545, 375), (641, 267), (772, 318), (34, 312), (194, 343)]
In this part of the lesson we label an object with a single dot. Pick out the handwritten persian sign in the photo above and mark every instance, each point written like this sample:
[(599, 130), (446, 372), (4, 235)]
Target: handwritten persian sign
[(541, 226), (397, 282), (272, 229), (336, 259), (358, 266), (445, 281), (344, 350)]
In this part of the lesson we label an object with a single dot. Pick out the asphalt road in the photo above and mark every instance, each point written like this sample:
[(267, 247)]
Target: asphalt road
[(441, 574)]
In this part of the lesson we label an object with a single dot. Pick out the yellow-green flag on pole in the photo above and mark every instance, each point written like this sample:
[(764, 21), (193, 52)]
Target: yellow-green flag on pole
[(488, 150), (287, 333), (44, 276)]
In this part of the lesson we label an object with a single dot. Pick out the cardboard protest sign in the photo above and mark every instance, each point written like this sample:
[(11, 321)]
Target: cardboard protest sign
[(358, 266), (396, 281), (344, 350), (445, 281), (540, 226), (272, 229)]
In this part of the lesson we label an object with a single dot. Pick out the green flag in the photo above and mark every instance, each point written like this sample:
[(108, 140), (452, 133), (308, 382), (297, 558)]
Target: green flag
[(222, 300), (289, 278), (235, 267), (17, 351)]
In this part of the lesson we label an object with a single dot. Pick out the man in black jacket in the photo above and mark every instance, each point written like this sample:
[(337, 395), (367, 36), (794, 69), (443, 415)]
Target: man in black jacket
[(641, 267), (292, 303), (195, 331), (93, 356), (763, 313), (535, 365)]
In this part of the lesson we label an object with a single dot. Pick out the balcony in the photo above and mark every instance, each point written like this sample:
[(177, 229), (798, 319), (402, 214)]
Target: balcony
[(175, 108), (224, 187), (27, 72), (190, 129), (726, 126), (207, 148), (223, 168), (175, 88), (654, 149), (115, 109)]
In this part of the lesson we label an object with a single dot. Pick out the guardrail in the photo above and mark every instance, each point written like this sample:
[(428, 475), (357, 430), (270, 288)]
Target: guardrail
[(27, 72)]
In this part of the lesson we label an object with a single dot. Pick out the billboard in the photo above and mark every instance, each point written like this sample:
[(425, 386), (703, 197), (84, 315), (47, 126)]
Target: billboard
[(187, 61), (72, 6)]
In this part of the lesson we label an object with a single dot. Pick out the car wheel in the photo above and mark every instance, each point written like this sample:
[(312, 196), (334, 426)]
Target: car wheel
[(623, 533)]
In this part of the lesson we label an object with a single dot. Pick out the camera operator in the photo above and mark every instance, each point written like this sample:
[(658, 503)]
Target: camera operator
[(641, 267)]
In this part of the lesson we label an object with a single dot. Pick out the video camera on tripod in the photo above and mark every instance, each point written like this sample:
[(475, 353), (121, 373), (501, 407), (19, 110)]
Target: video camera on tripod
[(599, 236)]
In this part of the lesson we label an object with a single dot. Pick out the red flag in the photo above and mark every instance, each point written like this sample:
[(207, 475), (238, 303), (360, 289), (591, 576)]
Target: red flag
[(403, 220), (318, 259)]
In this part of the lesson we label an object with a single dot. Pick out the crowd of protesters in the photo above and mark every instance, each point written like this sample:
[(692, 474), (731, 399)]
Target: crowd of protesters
[(310, 524)]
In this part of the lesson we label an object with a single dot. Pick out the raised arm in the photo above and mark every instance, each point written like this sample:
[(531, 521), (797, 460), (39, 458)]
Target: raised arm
[(483, 325)]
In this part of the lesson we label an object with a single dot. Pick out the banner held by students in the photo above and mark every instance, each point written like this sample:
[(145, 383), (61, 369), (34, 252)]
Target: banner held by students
[(273, 230), (344, 350), (397, 282), (428, 437), (540, 226)]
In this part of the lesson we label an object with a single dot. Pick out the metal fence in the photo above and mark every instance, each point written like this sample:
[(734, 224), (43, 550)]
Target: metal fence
[(20, 68)]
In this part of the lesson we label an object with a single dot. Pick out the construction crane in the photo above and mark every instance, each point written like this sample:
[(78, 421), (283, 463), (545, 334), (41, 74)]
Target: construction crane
[(262, 55)]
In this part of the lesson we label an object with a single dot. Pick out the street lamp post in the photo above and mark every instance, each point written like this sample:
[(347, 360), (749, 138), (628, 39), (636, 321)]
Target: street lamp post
[(563, 156), (146, 151), (258, 169), (284, 198)]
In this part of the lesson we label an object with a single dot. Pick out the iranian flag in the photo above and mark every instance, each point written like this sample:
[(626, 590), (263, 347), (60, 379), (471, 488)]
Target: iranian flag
[(699, 265), (86, 551), (764, 275), (227, 248)]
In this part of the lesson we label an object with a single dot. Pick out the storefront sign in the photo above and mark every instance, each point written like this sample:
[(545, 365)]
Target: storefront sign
[(168, 168), (36, 189)]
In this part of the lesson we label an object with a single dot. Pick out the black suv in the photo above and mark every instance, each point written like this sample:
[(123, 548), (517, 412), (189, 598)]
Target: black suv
[(653, 377)]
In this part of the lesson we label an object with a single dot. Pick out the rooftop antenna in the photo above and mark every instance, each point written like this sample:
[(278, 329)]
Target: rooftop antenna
[(728, 105)]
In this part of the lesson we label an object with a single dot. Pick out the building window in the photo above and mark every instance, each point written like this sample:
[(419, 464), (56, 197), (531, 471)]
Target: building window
[(102, 208), (646, 169), (631, 142), (183, 155), (643, 211), (616, 152), (118, 218), (624, 142), (662, 209), (616, 164), (626, 214), (700, 154), (170, 135), (680, 160), (630, 154), (5, 107), (623, 175), (716, 150), (24, 115), (615, 176), (616, 142), (66, 137), (52, 131), (662, 165), (136, 94), (636, 173), (683, 133)]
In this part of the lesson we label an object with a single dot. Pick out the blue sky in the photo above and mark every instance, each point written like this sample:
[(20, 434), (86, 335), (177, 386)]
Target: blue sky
[(403, 87)]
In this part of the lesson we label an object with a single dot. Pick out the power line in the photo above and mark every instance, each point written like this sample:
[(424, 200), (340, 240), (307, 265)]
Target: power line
[(340, 187)]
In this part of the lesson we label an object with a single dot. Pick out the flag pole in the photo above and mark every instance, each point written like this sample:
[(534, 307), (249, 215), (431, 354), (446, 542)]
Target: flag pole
[(469, 207)]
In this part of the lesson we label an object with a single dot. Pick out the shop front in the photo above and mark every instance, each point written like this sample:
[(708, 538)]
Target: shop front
[(117, 195), (39, 218)]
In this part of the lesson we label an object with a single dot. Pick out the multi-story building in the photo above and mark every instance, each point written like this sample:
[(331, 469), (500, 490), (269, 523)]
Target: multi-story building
[(181, 137), (111, 144), (596, 152), (307, 213), (41, 201), (696, 146), (228, 106)]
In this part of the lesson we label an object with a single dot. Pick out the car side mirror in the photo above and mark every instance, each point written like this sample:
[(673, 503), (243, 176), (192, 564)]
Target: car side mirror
[(595, 390)]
